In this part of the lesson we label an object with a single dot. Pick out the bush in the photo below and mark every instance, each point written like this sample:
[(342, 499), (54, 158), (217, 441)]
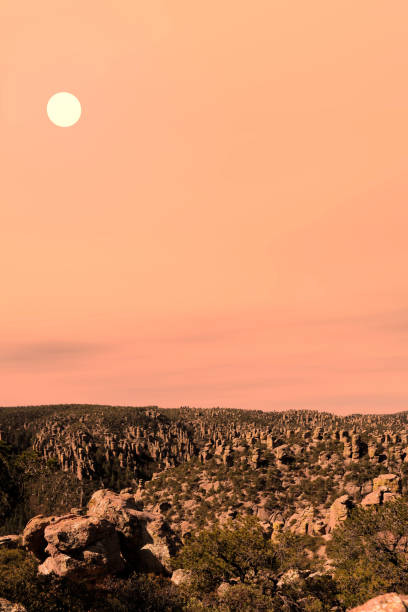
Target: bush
[(223, 553), (19, 583), (370, 552)]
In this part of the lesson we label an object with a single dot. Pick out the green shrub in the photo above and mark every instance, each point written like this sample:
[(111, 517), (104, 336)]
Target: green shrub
[(222, 553), (370, 552)]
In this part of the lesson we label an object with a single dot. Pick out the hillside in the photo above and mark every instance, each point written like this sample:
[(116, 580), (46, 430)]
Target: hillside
[(299, 477)]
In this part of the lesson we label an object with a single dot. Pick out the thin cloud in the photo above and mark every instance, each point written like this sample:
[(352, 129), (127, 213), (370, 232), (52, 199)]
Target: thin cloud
[(45, 353), (164, 387), (390, 320)]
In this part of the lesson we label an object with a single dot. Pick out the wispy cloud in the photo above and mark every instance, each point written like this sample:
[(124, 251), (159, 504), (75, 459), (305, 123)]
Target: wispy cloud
[(47, 353), (389, 320)]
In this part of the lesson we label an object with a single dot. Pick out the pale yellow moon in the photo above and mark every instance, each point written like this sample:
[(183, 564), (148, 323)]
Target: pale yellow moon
[(64, 109)]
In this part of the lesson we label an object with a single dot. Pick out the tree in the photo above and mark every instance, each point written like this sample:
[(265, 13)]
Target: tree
[(370, 552), (224, 553)]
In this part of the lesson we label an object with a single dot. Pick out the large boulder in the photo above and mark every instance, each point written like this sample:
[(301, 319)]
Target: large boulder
[(303, 521), (81, 548), (122, 510), (72, 532), (146, 539), (386, 487), (7, 606), (33, 535), (162, 543), (373, 499), (391, 602), (387, 482), (114, 534)]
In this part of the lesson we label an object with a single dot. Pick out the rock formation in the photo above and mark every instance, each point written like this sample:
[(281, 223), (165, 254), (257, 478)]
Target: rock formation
[(81, 548), (339, 511), (7, 606), (113, 534), (389, 602)]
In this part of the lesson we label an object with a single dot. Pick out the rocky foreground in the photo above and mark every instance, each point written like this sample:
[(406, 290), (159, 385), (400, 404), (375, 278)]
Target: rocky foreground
[(113, 534), (391, 602), (110, 534)]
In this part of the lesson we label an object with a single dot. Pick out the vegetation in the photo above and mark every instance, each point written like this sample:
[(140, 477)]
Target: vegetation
[(19, 582), (370, 552), (226, 481)]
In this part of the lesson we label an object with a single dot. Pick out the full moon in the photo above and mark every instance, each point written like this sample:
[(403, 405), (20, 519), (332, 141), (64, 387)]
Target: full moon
[(64, 109)]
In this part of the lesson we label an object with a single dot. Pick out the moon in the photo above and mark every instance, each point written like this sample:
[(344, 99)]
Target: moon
[(64, 109)]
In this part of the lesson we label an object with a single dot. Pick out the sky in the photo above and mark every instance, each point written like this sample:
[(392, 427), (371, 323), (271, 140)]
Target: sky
[(226, 225)]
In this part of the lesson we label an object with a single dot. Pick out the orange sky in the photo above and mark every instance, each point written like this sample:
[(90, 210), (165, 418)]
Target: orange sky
[(226, 224)]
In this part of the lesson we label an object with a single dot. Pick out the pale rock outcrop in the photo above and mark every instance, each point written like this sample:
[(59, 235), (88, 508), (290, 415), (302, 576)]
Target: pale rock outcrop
[(33, 535), (123, 511), (390, 482), (81, 548), (146, 540), (154, 556), (352, 489), (262, 513), (180, 577), (302, 521), (7, 606), (339, 511), (366, 488), (223, 589), (72, 532), (372, 499), (114, 534), (386, 487), (10, 541), (390, 602)]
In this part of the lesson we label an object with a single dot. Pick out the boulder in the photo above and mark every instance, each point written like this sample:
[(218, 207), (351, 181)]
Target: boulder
[(366, 488), (160, 544), (390, 482), (7, 606), (10, 541), (339, 511), (70, 532), (303, 521), (81, 548), (146, 539), (389, 496), (33, 535), (372, 499), (122, 510), (180, 577), (352, 489), (263, 514), (223, 589), (391, 602)]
